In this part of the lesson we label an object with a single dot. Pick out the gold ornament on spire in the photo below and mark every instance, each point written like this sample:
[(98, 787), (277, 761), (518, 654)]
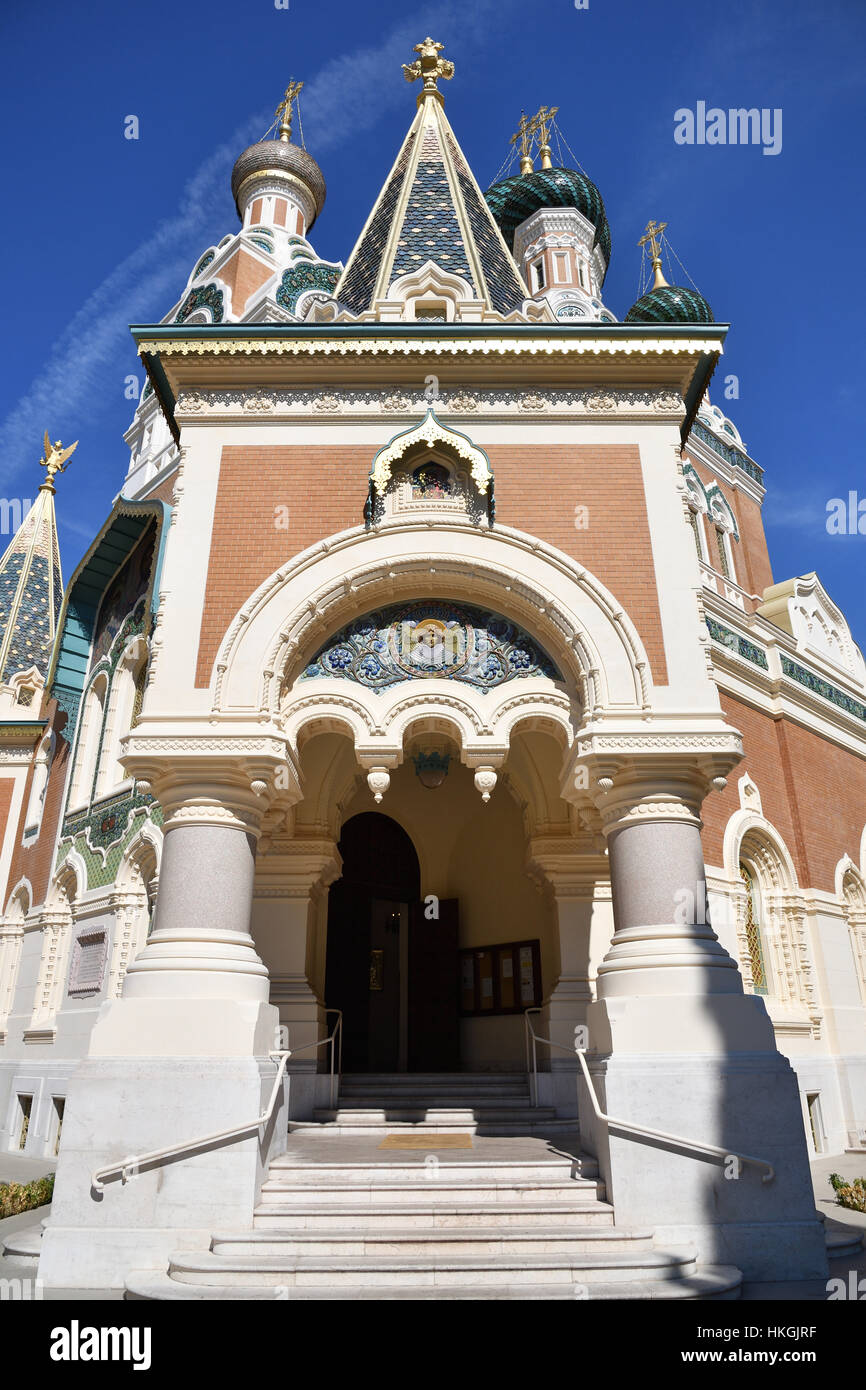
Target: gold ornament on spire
[(430, 67), (283, 112), (55, 460), (540, 121), (526, 132), (523, 133), (653, 240)]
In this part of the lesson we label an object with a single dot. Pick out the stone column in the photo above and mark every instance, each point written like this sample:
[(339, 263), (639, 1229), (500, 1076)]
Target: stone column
[(291, 880), (676, 1045), (184, 1051), (576, 876)]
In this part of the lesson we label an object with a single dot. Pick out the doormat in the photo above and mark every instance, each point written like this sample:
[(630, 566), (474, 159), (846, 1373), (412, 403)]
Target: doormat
[(427, 1141)]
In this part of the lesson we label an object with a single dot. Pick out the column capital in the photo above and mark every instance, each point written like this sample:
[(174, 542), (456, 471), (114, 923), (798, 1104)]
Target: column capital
[(572, 869), (630, 777), (297, 868), (202, 777)]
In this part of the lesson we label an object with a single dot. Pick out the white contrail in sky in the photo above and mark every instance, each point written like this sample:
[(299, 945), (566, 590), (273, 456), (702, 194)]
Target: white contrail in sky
[(348, 94)]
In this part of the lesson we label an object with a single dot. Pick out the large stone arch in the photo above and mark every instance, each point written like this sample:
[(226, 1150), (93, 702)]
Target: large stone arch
[(572, 616)]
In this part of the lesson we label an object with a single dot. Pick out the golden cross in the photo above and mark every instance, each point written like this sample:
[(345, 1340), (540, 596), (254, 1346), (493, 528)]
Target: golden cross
[(523, 133), (653, 233), (283, 112), (540, 121)]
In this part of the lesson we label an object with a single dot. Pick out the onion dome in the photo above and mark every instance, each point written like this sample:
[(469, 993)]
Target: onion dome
[(664, 303), (670, 304), (515, 199), (283, 160)]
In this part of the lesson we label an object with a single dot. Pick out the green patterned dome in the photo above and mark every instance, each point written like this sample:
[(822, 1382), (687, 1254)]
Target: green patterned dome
[(515, 199), (670, 304)]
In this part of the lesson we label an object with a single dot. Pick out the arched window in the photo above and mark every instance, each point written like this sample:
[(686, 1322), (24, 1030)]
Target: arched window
[(754, 938), (89, 737), (11, 938), (431, 480), (38, 788), (854, 899), (726, 559), (121, 714)]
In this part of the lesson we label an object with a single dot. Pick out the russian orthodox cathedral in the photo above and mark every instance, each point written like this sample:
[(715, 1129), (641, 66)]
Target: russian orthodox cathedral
[(423, 754)]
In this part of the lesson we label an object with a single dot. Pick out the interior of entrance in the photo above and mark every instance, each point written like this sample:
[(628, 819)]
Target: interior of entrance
[(390, 969), (444, 849)]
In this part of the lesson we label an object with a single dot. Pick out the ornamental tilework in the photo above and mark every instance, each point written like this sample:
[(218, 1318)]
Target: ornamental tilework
[(735, 643), (431, 228), (412, 641), (504, 287), (203, 264), (31, 591), (207, 297), (102, 869), (819, 686), (726, 451), (359, 279), (304, 277)]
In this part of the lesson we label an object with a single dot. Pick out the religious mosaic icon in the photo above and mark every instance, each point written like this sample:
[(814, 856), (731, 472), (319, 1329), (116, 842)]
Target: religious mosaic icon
[(417, 640)]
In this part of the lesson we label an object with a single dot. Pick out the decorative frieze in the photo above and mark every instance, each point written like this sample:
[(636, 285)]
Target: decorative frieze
[(373, 401)]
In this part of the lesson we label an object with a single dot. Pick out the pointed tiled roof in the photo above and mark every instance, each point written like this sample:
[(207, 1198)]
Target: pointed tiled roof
[(431, 209), (31, 591)]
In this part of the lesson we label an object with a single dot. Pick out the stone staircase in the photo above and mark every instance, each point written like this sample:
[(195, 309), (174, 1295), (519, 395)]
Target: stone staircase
[(520, 1214), (486, 1103)]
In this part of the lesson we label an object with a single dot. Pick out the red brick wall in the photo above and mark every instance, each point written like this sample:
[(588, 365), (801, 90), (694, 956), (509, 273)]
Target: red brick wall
[(244, 275), (325, 489), (812, 791)]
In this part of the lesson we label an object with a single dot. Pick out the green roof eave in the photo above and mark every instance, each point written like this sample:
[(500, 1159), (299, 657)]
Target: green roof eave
[(110, 549)]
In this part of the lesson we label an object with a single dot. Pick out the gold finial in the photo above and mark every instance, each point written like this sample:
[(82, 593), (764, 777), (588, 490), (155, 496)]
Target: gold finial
[(653, 239), (526, 132), (541, 120), (430, 67), (55, 460), (523, 133), (283, 112)]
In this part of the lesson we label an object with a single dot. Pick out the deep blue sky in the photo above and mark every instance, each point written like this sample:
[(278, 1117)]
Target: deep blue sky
[(100, 231)]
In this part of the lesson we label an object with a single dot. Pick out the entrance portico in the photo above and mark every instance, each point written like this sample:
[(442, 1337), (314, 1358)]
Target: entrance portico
[(547, 767)]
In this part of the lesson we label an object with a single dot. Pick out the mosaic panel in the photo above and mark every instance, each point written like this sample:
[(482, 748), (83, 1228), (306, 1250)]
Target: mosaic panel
[(407, 642)]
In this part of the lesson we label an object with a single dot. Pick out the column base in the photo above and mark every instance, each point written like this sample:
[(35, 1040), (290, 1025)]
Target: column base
[(123, 1105), (704, 1073)]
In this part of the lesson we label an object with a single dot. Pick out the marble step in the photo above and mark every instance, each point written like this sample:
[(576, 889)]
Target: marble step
[(288, 1195), (444, 1079), (439, 1212), (380, 1122), (841, 1242), (709, 1282), (406, 1172), (492, 1270), (435, 1101), (429, 1245), (24, 1244)]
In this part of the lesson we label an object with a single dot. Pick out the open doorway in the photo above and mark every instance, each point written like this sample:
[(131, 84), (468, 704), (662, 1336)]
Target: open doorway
[(391, 968)]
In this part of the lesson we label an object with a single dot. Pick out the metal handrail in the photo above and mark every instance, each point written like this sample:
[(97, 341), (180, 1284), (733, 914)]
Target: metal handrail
[(336, 1041), (126, 1167), (697, 1145), (536, 1038)]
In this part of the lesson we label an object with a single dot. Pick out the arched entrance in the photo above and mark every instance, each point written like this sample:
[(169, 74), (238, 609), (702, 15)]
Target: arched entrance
[(390, 970)]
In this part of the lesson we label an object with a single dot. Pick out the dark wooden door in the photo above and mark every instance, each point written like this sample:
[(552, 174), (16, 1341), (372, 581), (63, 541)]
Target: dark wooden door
[(434, 1025), (387, 919)]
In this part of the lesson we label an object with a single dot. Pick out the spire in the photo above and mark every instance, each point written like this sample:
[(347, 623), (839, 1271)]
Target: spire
[(431, 209), (653, 239), (31, 584)]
